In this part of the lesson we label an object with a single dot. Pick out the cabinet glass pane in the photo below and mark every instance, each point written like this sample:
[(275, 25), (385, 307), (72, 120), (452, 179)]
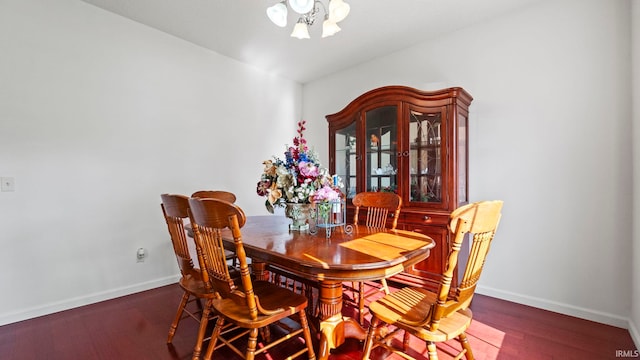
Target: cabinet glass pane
[(425, 157), (462, 159), (381, 148), (346, 158)]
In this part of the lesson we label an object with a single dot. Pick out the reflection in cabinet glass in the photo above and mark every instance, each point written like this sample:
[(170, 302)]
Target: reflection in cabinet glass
[(346, 157), (462, 153), (425, 156), (381, 161)]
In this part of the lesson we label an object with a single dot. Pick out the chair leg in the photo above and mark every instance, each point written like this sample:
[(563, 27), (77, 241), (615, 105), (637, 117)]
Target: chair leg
[(431, 350), (354, 285), (204, 320), (466, 346), (368, 344), (307, 334), (406, 339), (385, 286), (265, 333), (176, 320), (361, 302), (214, 338), (252, 343)]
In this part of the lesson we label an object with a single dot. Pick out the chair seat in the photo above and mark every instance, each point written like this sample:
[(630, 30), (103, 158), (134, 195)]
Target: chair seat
[(228, 254), (450, 327), (194, 285), (409, 305), (271, 297)]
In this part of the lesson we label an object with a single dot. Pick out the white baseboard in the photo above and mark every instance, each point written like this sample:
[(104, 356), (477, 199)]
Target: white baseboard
[(67, 304), (635, 334), (566, 309)]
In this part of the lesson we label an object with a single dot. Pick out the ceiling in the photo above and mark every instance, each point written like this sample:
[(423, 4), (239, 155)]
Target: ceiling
[(241, 30)]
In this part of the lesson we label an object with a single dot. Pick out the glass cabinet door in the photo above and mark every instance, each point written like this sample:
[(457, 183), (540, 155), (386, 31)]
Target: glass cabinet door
[(426, 135), (346, 158), (381, 160)]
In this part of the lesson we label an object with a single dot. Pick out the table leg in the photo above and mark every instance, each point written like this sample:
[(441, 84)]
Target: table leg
[(259, 270), (334, 327)]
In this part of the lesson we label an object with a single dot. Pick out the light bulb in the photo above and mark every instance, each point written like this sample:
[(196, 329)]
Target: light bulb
[(301, 6), (300, 31), (338, 10), (278, 14), (329, 28)]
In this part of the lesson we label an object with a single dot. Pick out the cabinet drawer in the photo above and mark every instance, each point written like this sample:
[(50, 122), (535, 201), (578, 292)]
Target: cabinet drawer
[(429, 271), (424, 218)]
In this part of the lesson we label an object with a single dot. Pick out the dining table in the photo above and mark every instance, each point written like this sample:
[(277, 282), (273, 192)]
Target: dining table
[(361, 254)]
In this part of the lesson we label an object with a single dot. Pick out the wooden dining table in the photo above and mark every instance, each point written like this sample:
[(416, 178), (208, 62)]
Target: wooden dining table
[(365, 254)]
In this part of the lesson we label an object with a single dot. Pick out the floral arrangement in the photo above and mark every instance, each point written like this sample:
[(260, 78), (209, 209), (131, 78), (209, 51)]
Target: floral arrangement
[(299, 178)]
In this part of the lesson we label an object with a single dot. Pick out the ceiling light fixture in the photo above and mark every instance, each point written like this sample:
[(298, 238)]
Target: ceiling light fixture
[(309, 9)]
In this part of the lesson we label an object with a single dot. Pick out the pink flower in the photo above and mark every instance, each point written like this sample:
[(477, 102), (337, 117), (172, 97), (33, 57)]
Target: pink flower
[(326, 193), (308, 170)]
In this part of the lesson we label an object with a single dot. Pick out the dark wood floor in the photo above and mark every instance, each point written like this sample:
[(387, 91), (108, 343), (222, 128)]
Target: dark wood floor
[(135, 327)]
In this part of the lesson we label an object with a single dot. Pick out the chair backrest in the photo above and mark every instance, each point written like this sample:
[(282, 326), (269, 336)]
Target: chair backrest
[(478, 221), (215, 194), (378, 206), (209, 218), (176, 209)]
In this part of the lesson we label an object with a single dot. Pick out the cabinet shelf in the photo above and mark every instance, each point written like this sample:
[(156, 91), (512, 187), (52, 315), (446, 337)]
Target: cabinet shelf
[(426, 174), (381, 148), (386, 152), (425, 147)]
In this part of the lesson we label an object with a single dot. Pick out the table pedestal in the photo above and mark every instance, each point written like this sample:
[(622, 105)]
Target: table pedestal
[(335, 328)]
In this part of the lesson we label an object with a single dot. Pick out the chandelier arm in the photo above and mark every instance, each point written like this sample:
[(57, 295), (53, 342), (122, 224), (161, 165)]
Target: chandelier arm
[(324, 8), (310, 17)]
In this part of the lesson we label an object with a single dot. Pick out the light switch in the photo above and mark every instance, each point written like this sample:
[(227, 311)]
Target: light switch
[(7, 184)]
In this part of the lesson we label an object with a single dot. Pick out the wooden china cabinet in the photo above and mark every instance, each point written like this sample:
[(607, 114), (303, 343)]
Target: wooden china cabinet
[(414, 143)]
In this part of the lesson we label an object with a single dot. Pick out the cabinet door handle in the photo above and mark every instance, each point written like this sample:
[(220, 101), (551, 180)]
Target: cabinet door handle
[(399, 153), (392, 215), (426, 217), (405, 153)]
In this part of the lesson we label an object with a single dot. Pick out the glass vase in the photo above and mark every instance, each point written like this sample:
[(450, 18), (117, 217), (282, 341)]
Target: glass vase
[(331, 215), (300, 214)]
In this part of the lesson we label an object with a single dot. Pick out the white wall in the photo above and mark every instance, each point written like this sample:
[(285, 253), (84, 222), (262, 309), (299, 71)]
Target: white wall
[(100, 115), (550, 134), (635, 45)]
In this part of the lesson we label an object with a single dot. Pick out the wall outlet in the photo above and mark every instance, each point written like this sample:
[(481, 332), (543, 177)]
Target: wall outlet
[(7, 184), (141, 253)]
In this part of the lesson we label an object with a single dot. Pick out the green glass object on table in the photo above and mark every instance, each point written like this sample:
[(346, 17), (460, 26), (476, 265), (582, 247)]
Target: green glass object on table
[(330, 209)]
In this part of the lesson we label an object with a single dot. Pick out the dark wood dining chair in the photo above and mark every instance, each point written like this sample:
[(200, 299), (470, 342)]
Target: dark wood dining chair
[(215, 194), (442, 315), (176, 210), (251, 305), (380, 210), (222, 195)]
